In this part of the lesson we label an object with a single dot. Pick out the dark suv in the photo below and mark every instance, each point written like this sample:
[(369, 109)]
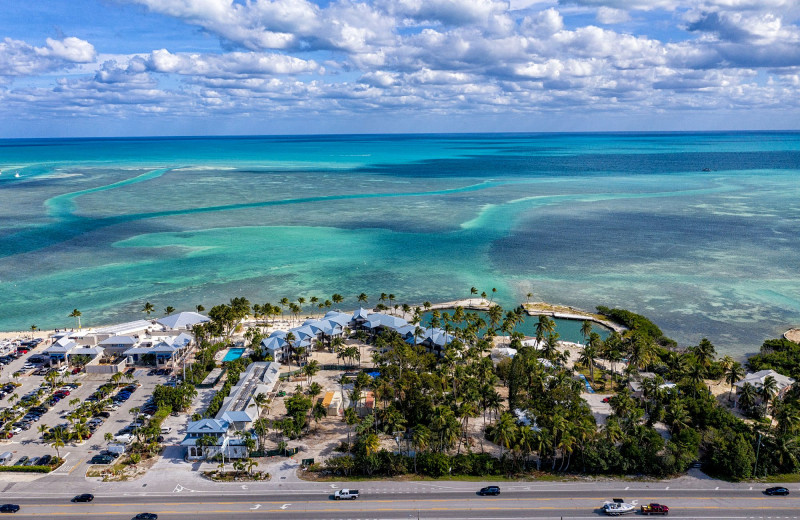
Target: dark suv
[(489, 490)]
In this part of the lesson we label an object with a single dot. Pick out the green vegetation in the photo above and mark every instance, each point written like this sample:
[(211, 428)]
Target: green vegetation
[(780, 355)]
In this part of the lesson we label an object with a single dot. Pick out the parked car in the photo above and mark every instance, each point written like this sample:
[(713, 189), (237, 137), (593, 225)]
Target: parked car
[(45, 460), (776, 491), (489, 490), (22, 461), (9, 508), (101, 459), (85, 497)]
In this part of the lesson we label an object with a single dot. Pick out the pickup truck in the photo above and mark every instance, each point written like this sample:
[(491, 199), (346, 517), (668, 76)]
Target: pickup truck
[(346, 494), (655, 509)]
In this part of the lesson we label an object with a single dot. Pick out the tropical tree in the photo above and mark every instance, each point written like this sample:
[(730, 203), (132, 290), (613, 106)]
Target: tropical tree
[(148, 308), (734, 374), (57, 439), (747, 396), (311, 369), (362, 298), (77, 315), (169, 310), (504, 431)]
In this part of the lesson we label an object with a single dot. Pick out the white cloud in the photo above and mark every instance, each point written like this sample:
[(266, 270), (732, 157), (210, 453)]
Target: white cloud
[(229, 64), (18, 58), (69, 49), (611, 16)]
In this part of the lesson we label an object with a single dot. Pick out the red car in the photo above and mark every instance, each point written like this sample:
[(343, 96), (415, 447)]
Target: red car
[(76, 370), (606, 399)]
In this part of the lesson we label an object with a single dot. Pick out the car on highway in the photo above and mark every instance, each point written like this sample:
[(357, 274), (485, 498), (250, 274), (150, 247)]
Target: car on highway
[(489, 490), (9, 508), (145, 516), (85, 497), (776, 491), (345, 494)]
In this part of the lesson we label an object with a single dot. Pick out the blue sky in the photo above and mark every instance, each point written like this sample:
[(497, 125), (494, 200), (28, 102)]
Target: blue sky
[(181, 67)]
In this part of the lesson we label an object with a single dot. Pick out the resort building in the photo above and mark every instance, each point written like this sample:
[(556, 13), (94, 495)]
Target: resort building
[(159, 350), (208, 438), (333, 403), (117, 345), (239, 409)]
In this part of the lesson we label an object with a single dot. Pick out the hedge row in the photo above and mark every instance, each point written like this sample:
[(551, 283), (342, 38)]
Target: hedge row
[(26, 469)]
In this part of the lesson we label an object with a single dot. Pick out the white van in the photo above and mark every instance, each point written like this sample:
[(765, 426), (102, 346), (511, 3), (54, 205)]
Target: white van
[(165, 430), (6, 457)]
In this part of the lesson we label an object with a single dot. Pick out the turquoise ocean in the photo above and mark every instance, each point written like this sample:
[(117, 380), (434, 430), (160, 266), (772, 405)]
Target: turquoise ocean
[(698, 231)]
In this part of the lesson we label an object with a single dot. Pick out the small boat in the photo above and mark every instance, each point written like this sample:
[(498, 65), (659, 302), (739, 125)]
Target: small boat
[(617, 507), (16, 175)]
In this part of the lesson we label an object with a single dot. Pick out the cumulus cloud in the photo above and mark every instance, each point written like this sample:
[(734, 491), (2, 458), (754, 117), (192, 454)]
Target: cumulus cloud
[(19, 58), (233, 64), (432, 56)]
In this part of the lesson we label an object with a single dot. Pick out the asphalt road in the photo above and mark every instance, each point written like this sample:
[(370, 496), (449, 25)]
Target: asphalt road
[(561, 503)]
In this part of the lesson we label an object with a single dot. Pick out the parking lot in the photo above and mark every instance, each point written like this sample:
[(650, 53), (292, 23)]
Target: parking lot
[(29, 443)]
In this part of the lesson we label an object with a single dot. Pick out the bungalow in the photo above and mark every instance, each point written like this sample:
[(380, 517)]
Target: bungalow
[(756, 379), (220, 432)]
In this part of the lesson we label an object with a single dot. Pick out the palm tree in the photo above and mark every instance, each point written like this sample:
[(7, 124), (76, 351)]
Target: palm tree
[(200, 308), (545, 326), (734, 374), (747, 396), (33, 329), (169, 310), (57, 440), (420, 439), (362, 298), (148, 308), (769, 387), (587, 357), (504, 431), (77, 315), (311, 369), (586, 330), (259, 400), (351, 418)]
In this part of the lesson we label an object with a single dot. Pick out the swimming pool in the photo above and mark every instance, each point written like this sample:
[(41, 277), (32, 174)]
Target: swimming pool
[(233, 354)]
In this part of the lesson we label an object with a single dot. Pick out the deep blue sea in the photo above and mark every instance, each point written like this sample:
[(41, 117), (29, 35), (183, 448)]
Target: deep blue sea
[(698, 231)]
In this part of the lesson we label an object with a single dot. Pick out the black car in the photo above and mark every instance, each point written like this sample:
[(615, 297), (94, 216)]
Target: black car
[(145, 516), (9, 508), (489, 490), (776, 491), (86, 497), (45, 460), (101, 459)]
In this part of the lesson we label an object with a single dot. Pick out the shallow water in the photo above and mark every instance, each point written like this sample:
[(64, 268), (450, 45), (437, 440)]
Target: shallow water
[(628, 220)]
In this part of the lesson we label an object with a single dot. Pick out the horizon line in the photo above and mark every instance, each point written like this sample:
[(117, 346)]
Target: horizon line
[(402, 134)]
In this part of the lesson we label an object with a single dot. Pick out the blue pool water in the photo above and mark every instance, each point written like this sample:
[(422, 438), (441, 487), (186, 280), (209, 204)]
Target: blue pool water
[(568, 330), (233, 354)]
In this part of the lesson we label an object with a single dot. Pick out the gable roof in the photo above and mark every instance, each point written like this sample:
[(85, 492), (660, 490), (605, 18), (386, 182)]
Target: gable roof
[(182, 320), (757, 379), (204, 426)]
